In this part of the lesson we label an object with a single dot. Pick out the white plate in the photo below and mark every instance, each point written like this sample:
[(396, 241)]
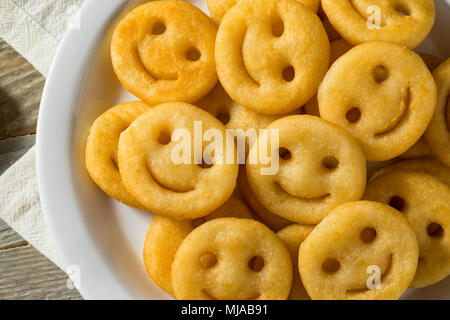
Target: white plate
[(94, 234)]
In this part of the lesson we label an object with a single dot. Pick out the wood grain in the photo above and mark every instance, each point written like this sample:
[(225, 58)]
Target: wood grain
[(12, 149), (20, 94), (9, 238), (24, 272)]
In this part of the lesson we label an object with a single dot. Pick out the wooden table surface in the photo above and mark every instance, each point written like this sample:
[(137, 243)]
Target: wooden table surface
[(24, 272)]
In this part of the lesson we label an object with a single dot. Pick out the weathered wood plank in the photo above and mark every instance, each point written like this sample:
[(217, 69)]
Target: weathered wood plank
[(12, 149), (20, 94), (26, 274), (9, 238)]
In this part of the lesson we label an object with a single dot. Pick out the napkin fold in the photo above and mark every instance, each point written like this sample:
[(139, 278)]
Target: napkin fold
[(34, 29)]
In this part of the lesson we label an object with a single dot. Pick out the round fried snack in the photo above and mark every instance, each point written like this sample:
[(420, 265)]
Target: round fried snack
[(161, 243), (237, 117), (218, 8), (163, 169), (337, 49), (293, 236), (427, 165), (271, 220), (271, 55), (101, 149), (166, 234), (164, 51), (438, 133), (403, 22), (232, 259), (393, 103), (357, 244), (425, 202), (320, 166)]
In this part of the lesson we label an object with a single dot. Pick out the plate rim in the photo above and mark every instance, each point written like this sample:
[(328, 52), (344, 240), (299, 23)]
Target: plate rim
[(54, 152)]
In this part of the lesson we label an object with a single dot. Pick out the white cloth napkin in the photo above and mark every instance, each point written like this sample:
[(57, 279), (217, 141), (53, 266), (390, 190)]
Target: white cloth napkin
[(33, 28)]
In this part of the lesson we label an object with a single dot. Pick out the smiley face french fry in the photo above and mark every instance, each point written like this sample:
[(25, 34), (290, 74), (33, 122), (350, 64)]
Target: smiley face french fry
[(231, 258), (425, 202), (176, 190), (320, 166), (163, 51), (386, 101), (354, 241), (271, 54)]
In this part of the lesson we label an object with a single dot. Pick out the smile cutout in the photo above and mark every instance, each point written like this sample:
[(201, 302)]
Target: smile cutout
[(165, 186), (170, 77), (244, 67), (310, 199), (399, 119)]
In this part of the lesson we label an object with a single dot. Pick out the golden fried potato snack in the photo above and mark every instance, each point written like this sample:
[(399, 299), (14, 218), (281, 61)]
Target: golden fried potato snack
[(383, 94), (170, 186), (293, 236), (161, 243), (101, 150), (271, 55), (232, 259), (425, 202), (320, 166), (163, 51), (355, 241)]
